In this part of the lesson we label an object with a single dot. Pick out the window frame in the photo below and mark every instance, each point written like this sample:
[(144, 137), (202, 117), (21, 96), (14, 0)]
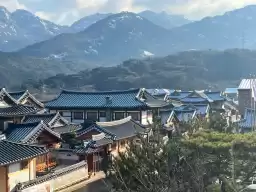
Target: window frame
[(79, 118), (121, 112), (94, 112)]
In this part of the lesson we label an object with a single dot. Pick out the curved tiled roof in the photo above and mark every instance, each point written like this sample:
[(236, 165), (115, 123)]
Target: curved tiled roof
[(117, 99), (17, 95), (17, 110), (12, 152), (27, 132), (124, 128), (46, 118)]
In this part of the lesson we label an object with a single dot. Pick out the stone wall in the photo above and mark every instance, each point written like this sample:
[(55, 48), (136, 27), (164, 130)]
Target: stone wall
[(57, 180)]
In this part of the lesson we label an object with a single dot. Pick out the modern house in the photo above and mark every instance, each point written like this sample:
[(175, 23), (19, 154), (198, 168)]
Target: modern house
[(246, 94), (106, 106), (17, 163)]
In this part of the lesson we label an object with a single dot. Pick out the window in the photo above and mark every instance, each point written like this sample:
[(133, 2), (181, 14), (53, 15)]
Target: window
[(78, 115), (103, 114), (92, 116), (24, 164), (119, 115), (135, 115)]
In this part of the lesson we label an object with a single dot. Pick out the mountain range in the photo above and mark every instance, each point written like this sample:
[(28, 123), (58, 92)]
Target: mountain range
[(22, 28), (185, 70), (127, 35)]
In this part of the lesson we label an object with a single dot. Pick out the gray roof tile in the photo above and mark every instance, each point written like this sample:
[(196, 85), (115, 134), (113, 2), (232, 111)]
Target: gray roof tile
[(13, 152)]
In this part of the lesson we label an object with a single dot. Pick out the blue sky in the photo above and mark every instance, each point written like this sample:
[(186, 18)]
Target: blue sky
[(67, 11)]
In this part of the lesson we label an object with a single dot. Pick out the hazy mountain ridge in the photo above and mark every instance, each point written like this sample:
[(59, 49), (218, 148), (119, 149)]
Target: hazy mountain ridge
[(185, 70)]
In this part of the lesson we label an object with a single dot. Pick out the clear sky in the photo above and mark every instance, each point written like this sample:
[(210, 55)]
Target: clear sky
[(68, 11)]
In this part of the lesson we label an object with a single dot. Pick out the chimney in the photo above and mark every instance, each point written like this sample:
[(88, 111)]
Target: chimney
[(108, 100)]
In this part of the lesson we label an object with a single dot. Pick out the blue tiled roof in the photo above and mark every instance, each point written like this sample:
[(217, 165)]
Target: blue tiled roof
[(18, 132), (201, 108), (177, 95), (17, 95), (193, 100), (46, 118), (249, 119), (117, 99), (13, 152), (215, 96), (26, 132)]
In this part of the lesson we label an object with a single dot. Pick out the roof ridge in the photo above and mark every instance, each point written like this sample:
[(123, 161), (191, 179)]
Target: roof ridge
[(112, 123), (42, 114), (24, 144), (29, 123), (16, 92), (100, 92)]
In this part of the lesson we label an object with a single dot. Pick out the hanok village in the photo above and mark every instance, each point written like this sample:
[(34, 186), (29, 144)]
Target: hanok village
[(53, 144)]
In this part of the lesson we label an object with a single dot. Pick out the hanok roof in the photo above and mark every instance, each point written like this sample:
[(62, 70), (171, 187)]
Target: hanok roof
[(103, 99), (201, 109), (151, 101), (17, 95), (249, 119), (133, 98), (247, 84), (5, 96), (157, 92), (196, 96), (23, 99), (177, 95), (124, 128), (231, 90), (27, 132), (48, 118), (17, 110), (182, 115), (12, 152), (91, 126), (67, 128)]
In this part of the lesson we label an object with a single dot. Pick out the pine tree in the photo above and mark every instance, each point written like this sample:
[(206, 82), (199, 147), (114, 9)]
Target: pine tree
[(152, 165)]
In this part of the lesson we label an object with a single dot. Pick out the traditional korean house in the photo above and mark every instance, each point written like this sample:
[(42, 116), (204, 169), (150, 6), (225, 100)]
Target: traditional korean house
[(26, 98), (35, 133), (14, 114), (248, 123), (110, 137), (214, 99), (54, 121), (17, 163), (159, 93), (106, 106)]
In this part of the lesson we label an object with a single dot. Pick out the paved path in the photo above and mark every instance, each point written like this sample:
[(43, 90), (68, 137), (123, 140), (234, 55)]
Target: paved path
[(94, 184)]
